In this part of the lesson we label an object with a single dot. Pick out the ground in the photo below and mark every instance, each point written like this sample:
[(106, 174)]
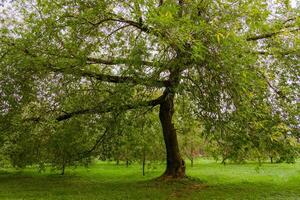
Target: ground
[(208, 180)]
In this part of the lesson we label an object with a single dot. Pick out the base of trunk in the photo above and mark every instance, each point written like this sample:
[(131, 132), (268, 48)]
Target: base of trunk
[(175, 171)]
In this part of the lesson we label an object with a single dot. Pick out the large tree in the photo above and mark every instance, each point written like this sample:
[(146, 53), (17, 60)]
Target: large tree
[(64, 59)]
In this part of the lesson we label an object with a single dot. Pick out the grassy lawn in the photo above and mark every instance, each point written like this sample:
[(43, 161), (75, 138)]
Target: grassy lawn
[(108, 181)]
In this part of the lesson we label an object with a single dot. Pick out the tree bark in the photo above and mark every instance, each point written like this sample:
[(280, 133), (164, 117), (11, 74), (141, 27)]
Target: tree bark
[(175, 164)]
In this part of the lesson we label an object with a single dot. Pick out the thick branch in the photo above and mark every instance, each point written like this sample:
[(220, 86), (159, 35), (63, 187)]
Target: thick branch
[(137, 25), (102, 108), (111, 78), (121, 79), (117, 61)]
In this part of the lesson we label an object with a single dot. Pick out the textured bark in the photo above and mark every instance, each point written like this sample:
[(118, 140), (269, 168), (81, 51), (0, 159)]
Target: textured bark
[(175, 164)]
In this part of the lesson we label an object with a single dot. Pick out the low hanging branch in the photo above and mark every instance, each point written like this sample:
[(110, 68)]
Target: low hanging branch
[(102, 108), (88, 152)]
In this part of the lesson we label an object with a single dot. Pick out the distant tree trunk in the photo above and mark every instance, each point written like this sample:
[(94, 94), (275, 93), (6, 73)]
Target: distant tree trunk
[(175, 164), (117, 161), (127, 162), (144, 160), (224, 161), (63, 169), (271, 159), (192, 158)]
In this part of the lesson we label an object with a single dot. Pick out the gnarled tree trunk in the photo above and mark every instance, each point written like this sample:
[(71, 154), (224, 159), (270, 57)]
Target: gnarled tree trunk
[(175, 164)]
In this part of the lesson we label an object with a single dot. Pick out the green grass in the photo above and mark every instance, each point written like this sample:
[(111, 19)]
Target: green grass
[(108, 181)]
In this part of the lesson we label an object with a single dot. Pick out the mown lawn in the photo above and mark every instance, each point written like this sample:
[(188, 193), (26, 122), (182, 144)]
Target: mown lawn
[(209, 180)]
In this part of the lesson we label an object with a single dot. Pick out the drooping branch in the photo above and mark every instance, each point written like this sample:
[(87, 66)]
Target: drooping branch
[(118, 29), (267, 53), (112, 17), (140, 25), (94, 147), (102, 108), (271, 34), (3, 55), (274, 89), (290, 19)]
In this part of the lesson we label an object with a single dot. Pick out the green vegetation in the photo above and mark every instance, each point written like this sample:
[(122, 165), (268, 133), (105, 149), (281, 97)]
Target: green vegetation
[(145, 83), (103, 180), (76, 77)]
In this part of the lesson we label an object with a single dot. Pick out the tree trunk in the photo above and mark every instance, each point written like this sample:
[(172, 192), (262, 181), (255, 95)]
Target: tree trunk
[(175, 164), (63, 169), (224, 160), (192, 157), (144, 160), (271, 158)]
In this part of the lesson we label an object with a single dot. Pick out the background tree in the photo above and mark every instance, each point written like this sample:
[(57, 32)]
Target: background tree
[(190, 130)]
